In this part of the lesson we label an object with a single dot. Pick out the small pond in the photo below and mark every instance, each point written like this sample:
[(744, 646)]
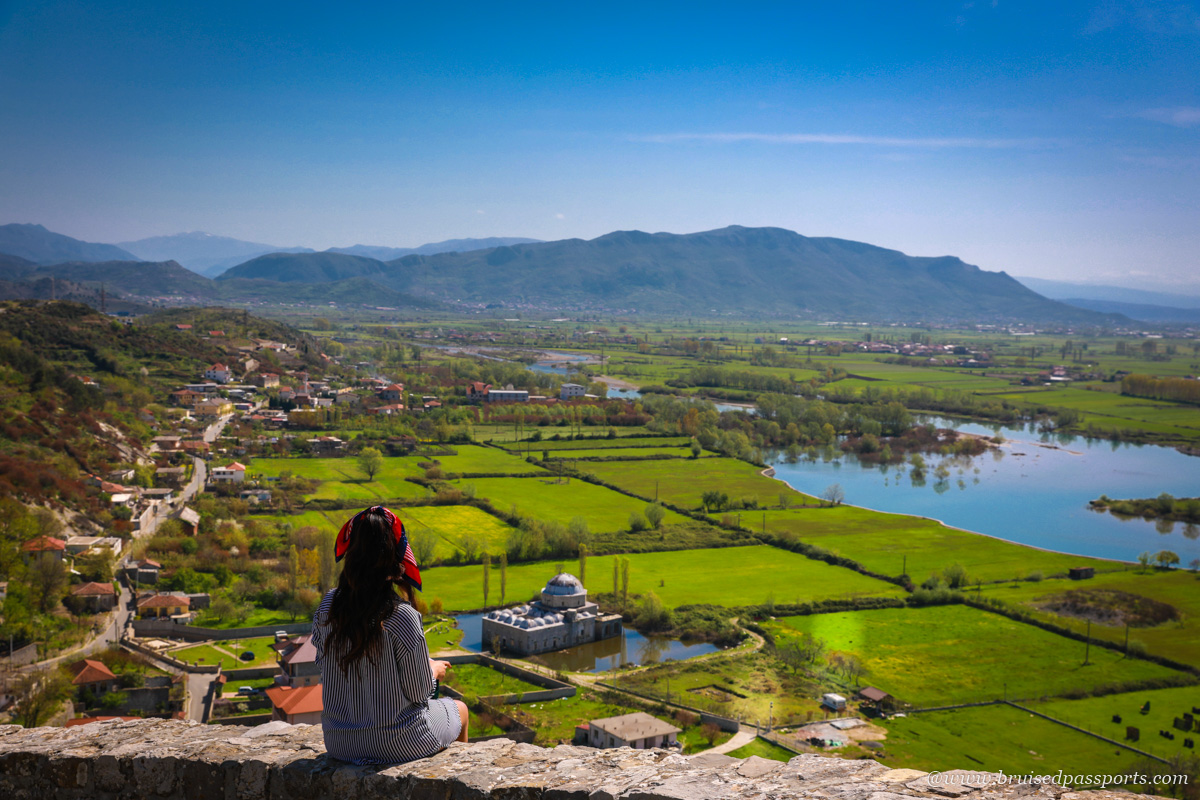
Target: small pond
[(632, 648)]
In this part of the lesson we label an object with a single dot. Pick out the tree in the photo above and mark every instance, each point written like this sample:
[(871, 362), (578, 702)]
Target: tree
[(616, 578), (955, 575), (487, 569), (223, 608), (655, 514), (47, 581), (583, 554), (293, 569), (636, 522), (1166, 558), (709, 732), (624, 581), (424, 547), (370, 461), (652, 615), (696, 449), (38, 695), (503, 576), (327, 566), (833, 494), (1144, 558)]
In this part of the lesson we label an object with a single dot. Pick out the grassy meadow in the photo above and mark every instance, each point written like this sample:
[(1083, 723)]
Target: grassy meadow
[(921, 655), (995, 738), (682, 483), (728, 576), (1095, 714), (891, 543), (548, 499), (1179, 640)]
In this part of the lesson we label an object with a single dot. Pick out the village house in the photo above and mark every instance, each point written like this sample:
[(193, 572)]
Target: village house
[(477, 391), (164, 605), (170, 475), (218, 373), (346, 396), (95, 597), (326, 445), (301, 705), (94, 676), (507, 395), (569, 390), (144, 571), (195, 447), (392, 394), (43, 545), (191, 520), (166, 443), (81, 545), (638, 730), (212, 407), (266, 380), (388, 410), (233, 473), (297, 659), (186, 398)]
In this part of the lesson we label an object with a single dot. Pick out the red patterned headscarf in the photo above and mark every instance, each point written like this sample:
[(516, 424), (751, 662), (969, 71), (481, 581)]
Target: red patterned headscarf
[(408, 561)]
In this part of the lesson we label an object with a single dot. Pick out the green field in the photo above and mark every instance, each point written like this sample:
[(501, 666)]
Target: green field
[(448, 524), (341, 478), (890, 543), (486, 460), (995, 738), (555, 720), (259, 616), (264, 655), (619, 453), (956, 654), (1095, 714), (682, 482), (1179, 640), (729, 576), (604, 510), (483, 681), (763, 749), (751, 686), (599, 443)]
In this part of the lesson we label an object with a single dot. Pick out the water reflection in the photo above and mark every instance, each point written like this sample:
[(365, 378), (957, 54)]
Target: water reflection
[(632, 648), (1034, 489)]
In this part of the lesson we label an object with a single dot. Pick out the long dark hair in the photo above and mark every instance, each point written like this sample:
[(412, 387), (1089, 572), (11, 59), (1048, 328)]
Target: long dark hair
[(365, 596)]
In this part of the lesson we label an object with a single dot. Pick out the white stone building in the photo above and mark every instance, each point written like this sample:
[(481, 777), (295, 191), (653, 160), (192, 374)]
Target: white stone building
[(638, 730), (562, 618), (569, 390)]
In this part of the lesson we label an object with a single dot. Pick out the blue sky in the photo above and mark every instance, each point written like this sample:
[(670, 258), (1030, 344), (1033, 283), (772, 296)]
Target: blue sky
[(1060, 140)]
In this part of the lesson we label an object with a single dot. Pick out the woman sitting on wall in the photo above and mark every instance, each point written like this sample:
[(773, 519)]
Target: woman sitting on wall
[(377, 677)]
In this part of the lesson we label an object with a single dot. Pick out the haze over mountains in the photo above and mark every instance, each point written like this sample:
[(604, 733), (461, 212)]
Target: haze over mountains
[(737, 271)]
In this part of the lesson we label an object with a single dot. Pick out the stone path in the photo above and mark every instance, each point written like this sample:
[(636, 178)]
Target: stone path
[(739, 739)]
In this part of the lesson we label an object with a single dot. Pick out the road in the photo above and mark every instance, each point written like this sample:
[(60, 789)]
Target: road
[(195, 485)]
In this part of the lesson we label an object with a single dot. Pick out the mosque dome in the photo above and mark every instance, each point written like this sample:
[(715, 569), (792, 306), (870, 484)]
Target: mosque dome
[(564, 584)]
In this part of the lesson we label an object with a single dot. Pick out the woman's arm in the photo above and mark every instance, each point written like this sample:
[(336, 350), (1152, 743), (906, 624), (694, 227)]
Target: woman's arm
[(412, 656)]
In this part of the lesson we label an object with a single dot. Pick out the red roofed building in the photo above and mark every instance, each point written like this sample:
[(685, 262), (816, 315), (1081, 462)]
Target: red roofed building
[(233, 473), (392, 394), (478, 390), (95, 596), (94, 675), (388, 410), (219, 373), (298, 661), (300, 705), (43, 544), (163, 605)]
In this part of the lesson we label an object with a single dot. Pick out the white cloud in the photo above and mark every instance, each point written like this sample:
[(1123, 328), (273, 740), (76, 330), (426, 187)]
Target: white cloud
[(560, 216), (1180, 116), (480, 211), (840, 138)]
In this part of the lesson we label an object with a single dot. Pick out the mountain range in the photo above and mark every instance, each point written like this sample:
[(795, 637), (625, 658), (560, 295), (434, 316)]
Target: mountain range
[(211, 255), (759, 272), (35, 243)]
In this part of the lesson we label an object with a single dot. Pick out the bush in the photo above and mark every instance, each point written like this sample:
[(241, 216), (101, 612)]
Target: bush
[(637, 522)]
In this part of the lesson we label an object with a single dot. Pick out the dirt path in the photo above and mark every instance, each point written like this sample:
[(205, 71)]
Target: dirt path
[(739, 739)]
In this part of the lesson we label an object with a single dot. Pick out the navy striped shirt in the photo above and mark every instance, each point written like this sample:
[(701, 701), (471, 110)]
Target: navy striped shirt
[(379, 713)]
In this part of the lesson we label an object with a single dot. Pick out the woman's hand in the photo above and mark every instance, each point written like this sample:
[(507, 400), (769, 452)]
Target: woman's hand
[(438, 668)]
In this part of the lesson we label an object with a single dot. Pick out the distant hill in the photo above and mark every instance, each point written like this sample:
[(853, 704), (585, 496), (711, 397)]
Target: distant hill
[(138, 278), (1063, 290), (448, 246), (72, 292), (203, 253), (305, 268), (1139, 311), (35, 243), (349, 291), (736, 270)]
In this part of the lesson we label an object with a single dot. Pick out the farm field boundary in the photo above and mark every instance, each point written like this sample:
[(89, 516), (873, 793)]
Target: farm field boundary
[(1142, 753)]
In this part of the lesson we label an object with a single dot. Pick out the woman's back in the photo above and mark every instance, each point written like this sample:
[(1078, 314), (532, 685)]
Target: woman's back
[(379, 713)]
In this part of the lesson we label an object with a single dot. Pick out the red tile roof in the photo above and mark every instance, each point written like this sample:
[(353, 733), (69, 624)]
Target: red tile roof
[(71, 723), (90, 671), (43, 543), (93, 589), (165, 601), (301, 700)]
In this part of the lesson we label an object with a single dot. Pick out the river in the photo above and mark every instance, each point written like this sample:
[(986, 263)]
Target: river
[(1034, 490)]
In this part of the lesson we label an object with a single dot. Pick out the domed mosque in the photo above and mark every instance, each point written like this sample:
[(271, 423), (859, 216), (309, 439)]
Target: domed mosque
[(562, 617)]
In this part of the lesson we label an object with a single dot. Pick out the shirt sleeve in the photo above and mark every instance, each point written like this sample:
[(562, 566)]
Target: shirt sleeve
[(412, 654), (319, 622)]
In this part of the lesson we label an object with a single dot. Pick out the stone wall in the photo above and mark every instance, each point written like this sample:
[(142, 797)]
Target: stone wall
[(174, 760), (166, 629)]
